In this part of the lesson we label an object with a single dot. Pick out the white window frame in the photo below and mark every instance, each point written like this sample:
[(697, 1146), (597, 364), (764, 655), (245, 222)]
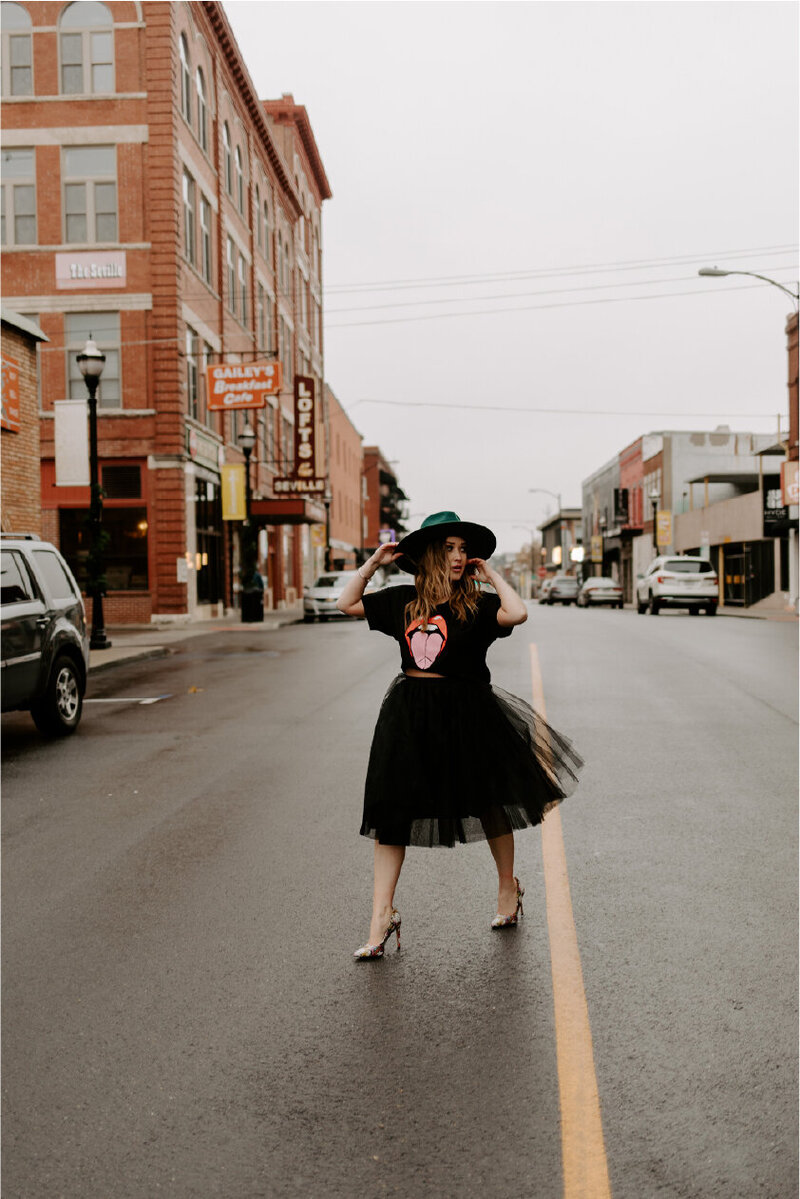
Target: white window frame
[(106, 345), (202, 108), (186, 79), (206, 252), (189, 218), (8, 201), (192, 374), (86, 33), (230, 261), (90, 183), (243, 305), (239, 169), (227, 158), (8, 36)]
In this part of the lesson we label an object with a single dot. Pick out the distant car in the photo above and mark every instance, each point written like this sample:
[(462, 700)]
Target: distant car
[(398, 580), (545, 586), (562, 590), (600, 590), (319, 601), (679, 581), (45, 644)]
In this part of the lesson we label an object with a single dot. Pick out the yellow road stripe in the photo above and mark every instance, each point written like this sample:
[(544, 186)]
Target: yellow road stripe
[(582, 1147)]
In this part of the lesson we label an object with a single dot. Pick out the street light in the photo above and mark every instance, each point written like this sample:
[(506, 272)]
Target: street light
[(655, 496), (714, 272), (251, 600), (91, 361)]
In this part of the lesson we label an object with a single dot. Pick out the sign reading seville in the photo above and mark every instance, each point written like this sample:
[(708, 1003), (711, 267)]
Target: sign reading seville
[(101, 268), (241, 384), (303, 480)]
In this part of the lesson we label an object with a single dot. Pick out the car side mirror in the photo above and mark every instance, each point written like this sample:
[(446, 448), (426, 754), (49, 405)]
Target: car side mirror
[(640, 576)]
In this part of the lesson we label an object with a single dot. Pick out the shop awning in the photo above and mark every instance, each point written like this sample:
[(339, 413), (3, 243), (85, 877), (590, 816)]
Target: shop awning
[(288, 510)]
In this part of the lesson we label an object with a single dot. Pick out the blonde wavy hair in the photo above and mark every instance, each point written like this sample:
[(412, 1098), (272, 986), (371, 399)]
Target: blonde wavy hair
[(434, 586)]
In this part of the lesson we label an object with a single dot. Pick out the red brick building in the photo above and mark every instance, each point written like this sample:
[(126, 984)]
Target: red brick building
[(385, 502), (21, 505), (151, 199), (344, 456)]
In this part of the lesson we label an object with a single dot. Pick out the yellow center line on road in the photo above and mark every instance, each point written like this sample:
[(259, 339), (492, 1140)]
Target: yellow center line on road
[(582, 1146)]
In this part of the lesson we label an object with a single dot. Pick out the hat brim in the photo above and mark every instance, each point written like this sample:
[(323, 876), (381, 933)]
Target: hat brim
[(481, 542)]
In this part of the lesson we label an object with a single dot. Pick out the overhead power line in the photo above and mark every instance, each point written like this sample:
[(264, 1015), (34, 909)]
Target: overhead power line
[(561, 411), (629, 264)]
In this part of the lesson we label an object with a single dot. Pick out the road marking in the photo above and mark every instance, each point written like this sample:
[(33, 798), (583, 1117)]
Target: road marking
[(582, 1146), (154, 699)]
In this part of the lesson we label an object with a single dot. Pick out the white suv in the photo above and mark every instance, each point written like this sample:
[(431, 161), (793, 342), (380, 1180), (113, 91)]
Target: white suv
[(678, 582)]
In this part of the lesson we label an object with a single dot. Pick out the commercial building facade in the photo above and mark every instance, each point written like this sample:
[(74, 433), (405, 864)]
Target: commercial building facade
[(21, 501), (155, 203)]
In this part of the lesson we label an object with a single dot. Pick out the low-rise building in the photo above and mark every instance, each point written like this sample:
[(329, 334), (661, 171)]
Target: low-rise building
[(385, 504), (21, 499), (345, 474)]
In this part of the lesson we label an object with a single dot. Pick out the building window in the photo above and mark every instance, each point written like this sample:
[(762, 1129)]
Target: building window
[(87, 49), (17, 52), (205, 238), (189, 212), (104, 328), (208, 417), (186, 80), (242, 290), (231, 263), (286, 444), (90, 206), (126, 553), (267, 233), (261, 332), (226, 153), (239, 181), (285, 346), (202, 110), (192, 389), (18, 205), (259, 235)]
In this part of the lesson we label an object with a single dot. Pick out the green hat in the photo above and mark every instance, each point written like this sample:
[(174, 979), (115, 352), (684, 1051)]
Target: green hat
[(481, 542)]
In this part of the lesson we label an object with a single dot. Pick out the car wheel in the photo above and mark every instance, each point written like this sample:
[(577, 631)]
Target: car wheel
[(711, 610), (58, 712), (308, 620), (322, 619), (620, 605), (655, 606), (640, 607)]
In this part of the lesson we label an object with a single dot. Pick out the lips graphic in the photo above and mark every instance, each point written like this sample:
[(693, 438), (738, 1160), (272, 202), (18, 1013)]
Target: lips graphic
[(426, 643)]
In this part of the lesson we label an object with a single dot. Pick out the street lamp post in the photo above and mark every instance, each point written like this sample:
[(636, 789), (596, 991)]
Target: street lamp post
[(655, 496), (91, 361), (252, 608)]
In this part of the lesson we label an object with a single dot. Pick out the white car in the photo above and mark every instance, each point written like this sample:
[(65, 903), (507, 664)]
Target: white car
[(600, 590), (678, 581), (319, 601)]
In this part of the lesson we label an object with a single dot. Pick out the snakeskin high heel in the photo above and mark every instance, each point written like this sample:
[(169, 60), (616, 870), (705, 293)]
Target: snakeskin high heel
[(376, 951), (509, 921)]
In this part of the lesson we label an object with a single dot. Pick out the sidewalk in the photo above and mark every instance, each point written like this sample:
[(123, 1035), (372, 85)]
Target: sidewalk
[(135, 642)]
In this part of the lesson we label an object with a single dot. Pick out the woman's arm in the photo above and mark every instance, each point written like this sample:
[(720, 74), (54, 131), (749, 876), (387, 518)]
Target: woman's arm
[(349, 601), (512, 610)]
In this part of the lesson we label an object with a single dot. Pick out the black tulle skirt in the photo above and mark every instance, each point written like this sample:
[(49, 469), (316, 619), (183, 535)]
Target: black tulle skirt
[(455, 761)]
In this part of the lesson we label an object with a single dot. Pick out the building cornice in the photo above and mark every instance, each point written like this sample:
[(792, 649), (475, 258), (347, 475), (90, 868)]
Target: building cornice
[(227, 43), (287, 112)]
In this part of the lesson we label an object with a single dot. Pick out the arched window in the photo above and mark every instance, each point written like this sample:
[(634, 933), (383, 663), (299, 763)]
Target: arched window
[(202, 110), (279, 264), (17, 52), (226, 153), (257, 202), (186, 80), (87, 49), (239, 181)]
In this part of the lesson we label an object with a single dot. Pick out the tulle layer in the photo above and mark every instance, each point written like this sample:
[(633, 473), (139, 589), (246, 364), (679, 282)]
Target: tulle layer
[(454, 761)]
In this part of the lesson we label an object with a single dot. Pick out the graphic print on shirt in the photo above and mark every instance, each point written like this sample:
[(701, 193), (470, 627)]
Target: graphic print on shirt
[(426, 642)]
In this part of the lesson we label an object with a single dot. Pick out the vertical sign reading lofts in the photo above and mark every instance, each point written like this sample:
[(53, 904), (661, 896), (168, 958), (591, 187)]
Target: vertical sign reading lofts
[(304, 480)]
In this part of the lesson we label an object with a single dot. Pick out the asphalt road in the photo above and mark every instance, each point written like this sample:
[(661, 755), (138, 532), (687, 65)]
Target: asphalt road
[(183, 887)]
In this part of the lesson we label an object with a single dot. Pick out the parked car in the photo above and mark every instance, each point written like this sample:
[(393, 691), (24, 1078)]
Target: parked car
[(319, 601), (545, 586), (600, 590), (400, 579), (680, 581), (562, 590), (45, 643)]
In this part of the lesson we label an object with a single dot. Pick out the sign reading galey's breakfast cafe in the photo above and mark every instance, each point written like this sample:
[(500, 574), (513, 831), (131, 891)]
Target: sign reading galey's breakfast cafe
[(241, 384), (304, 480)]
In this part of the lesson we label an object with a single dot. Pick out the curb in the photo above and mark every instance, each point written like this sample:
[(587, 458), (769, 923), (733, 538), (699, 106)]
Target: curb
[(156, 651)]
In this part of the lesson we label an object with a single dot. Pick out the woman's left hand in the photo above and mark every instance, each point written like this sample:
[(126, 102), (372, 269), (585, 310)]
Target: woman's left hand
[(479, 570)]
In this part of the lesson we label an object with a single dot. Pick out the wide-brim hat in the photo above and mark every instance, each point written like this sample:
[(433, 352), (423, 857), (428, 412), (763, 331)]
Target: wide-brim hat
[(481, 542)]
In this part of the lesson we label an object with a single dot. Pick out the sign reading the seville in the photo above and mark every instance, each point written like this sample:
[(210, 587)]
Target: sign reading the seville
[(241, 384), (104, 268), (303, 480)]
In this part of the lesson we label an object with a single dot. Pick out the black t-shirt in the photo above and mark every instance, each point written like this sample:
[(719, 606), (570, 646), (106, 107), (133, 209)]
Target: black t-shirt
[(445, 646)]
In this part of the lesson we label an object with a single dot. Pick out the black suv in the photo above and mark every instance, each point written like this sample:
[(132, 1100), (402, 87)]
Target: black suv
[(45, 645)]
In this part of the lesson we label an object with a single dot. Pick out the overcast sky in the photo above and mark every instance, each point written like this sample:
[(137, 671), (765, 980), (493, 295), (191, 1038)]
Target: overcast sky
[(496, 155)]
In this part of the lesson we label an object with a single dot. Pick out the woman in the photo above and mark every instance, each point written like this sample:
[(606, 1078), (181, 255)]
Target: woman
[(453, 759)]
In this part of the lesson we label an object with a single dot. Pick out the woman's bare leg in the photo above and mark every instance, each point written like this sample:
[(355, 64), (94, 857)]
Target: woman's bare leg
[(503, 853), (388, 864)]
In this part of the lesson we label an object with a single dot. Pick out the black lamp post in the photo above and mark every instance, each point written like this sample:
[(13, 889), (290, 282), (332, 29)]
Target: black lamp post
[(655, 496), (252, 598), (91, 362)]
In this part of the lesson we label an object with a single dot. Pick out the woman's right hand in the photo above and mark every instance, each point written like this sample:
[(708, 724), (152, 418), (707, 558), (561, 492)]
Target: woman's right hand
[(384, 555)]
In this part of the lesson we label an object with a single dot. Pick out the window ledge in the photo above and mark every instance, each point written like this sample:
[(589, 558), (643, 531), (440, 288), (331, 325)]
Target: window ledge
[(75, 96)]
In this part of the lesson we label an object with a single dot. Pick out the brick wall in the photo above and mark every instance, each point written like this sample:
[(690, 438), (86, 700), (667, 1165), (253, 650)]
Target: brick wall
[(20, 502)]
